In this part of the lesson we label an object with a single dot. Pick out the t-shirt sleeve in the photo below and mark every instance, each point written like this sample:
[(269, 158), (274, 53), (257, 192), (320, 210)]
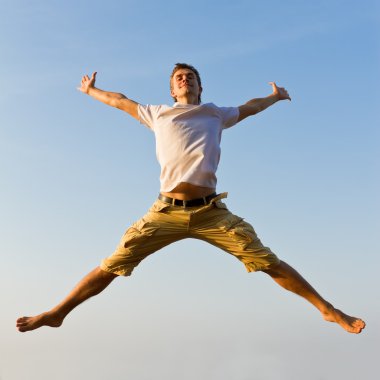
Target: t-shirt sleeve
[(148, 114), (229, 116)]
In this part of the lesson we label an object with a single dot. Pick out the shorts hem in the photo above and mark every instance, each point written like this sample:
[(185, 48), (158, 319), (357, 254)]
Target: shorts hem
[(118, 272), (252, 267)]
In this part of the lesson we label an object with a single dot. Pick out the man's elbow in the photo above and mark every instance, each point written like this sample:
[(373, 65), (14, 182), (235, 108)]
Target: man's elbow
[(247, 110), (118, 100)]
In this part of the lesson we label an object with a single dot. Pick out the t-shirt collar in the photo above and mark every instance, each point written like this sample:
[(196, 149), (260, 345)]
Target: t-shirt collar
[(181, 105)]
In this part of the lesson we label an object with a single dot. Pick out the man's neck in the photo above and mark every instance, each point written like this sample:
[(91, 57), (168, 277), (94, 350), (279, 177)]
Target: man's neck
[(187, 100)]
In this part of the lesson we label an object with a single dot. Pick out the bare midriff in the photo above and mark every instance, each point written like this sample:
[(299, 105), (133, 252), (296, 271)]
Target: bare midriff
[(187, 191)]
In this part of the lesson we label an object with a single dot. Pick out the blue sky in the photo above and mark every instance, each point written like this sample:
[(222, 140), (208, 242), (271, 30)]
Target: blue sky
[(75, 174)]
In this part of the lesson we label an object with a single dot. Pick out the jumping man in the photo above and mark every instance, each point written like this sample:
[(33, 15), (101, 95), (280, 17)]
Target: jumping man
[(188, 136)]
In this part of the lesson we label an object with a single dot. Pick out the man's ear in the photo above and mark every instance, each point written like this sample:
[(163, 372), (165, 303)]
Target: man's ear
[(199, 94)]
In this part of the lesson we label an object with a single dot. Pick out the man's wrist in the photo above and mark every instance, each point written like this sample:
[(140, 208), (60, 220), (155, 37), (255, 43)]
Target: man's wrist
[(274, 97), (90, 89)]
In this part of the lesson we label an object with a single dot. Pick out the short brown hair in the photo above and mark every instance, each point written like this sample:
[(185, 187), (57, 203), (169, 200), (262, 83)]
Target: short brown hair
[(179, 66)]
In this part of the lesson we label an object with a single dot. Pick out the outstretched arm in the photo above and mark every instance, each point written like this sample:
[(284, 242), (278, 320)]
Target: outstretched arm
[(255, 106), (112, 99)]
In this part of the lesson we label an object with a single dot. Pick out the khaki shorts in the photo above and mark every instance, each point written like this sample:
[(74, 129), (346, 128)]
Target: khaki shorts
[(213, 223)]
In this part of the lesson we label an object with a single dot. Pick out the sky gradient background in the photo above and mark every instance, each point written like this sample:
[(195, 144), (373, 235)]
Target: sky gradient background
[(75, 174)]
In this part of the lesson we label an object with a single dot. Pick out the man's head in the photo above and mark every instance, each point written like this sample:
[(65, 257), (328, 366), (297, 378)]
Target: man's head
[(185, 79)]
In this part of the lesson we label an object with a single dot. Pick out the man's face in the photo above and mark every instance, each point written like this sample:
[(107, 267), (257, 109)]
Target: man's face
[(184, 83)]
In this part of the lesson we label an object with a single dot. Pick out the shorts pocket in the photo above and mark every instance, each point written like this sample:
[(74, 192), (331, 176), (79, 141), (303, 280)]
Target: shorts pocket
[(239, 231), (244, 234), (138, 233)]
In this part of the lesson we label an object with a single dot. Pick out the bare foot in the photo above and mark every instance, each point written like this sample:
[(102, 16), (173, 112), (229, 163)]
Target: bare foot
[(45, 319), (351, 324)]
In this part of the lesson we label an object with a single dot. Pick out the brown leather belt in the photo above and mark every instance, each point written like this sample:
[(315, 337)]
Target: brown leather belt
[(190, 203)]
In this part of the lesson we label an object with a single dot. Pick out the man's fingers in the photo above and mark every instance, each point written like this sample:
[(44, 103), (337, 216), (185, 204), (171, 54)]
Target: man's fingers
[(86, 78), (273, 84), (86, 82), (284, 93), (281, 91)]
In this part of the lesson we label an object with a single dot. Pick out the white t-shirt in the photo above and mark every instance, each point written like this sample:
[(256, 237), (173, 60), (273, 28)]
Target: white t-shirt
[(188, 140)]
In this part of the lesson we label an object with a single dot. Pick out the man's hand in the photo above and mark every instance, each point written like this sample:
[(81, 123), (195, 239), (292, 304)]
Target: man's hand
[(87, 83), (254, 106), (113, 99), (279, 92)]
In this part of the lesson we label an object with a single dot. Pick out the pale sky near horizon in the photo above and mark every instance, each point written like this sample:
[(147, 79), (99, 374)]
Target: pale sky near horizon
[(75, 174)]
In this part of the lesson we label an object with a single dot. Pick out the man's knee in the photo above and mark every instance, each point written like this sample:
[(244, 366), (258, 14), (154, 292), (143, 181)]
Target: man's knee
[(274, 269), (104, 274)]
